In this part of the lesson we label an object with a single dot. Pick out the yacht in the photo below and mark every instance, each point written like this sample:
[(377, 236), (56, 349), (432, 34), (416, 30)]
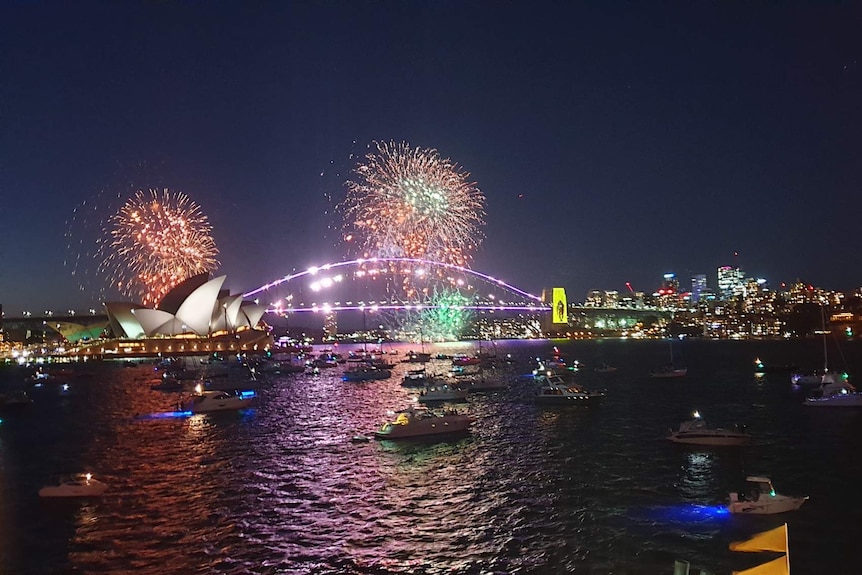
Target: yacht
[(419, 422), (554, 390), (761, 499), (220, 400), (76, 485), (695, 431)]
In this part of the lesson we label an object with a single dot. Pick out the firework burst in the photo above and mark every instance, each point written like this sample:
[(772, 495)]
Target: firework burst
[(155, 241), (410, 202)]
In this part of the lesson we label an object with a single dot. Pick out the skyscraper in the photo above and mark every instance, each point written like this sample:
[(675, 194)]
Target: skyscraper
[(731, 281), (698, 285)]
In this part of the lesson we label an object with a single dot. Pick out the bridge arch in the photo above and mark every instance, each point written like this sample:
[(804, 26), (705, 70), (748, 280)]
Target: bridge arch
[(292, 290)]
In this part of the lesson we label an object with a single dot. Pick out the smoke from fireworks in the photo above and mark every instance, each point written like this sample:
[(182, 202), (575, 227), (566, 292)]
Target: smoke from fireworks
[(155, 241), (411, 202)]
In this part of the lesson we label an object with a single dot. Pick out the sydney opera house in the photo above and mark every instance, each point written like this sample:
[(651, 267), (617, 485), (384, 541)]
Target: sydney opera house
[(196, 317)]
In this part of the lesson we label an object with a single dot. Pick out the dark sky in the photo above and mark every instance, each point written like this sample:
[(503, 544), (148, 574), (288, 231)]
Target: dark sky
[(614, 141)]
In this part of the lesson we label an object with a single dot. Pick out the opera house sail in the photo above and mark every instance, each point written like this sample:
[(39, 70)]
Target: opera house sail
[(195, 317)]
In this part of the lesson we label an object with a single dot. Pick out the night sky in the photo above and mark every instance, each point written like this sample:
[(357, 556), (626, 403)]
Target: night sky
[(613, 141)]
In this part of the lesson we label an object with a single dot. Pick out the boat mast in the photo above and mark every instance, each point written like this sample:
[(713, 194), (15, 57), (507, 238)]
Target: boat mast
[(823, 328)]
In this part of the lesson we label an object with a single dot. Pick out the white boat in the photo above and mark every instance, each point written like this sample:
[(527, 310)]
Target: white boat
[(76, 485), (220, 400), (695, 431), (441, 392), (761, 499), (836, 393), (554, 390), (420, 422)]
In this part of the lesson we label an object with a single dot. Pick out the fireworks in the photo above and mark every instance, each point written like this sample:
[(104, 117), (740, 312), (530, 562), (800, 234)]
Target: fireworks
[(410, 202), (155, 241)]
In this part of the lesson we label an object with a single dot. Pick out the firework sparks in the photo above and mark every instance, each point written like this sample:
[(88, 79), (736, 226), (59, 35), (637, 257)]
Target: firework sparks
[(155, 241), (410, 202)]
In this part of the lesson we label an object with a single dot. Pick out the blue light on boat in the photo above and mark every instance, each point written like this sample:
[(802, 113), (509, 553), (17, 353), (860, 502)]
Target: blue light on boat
[(165, 415), (690, 513), (247, 394)]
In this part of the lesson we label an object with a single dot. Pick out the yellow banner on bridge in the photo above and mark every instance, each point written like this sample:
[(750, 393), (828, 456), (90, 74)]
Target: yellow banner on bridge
[(561, 310)]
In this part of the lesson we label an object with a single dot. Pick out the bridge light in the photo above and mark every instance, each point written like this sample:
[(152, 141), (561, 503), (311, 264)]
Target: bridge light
[(313, 270)]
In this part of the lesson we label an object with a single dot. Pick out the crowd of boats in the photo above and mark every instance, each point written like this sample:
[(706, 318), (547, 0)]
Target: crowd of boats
[(231, 385)]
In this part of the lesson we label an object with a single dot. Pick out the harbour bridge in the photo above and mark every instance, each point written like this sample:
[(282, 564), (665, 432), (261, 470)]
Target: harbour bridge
[(411, 293)]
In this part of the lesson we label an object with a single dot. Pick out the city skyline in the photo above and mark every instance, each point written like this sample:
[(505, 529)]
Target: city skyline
[(612, 143)]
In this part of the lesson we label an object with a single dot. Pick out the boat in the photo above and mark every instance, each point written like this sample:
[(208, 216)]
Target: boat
[(555, 390), (75, 485), (838, 392), (605, 368), (670, 370), (220, 400), (480, 383), (168, 384), (441, 392), (365, 373), (762, 499), (418, 421), (415, 378), (417, 357), (17, 397), (463, 360), (695, 431), (818, 378)]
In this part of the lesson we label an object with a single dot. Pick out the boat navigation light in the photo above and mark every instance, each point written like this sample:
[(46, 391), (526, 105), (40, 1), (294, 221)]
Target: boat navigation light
[(696, 414), (89, 476), (198, 388)]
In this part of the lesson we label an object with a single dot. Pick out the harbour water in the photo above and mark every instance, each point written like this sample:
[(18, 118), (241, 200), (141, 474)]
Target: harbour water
[(282, 489)]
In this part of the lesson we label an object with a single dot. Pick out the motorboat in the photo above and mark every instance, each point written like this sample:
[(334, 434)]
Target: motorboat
[(75, 485), (219, 400), (761, 499), (441, 392), (555, 390), (365, 373), (836, 393), (418, 421), (696, 431)]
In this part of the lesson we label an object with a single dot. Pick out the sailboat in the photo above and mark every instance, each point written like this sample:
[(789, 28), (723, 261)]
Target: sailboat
[(670, 370), (824, 379), (418, 356)]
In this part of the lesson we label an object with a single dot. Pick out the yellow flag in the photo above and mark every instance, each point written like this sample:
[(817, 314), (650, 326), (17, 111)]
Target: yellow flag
[(778, 566), (772, 540)]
